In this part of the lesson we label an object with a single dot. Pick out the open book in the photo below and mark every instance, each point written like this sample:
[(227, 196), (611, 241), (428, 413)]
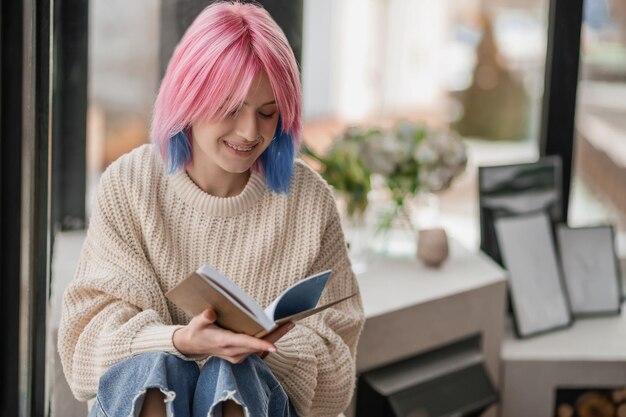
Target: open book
[(238, 312)]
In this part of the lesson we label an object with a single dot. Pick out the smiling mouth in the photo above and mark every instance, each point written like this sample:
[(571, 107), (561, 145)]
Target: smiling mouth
[(240, 148)]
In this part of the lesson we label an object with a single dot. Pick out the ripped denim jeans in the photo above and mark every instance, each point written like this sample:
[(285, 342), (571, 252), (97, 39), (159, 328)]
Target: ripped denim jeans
[(191, 391)]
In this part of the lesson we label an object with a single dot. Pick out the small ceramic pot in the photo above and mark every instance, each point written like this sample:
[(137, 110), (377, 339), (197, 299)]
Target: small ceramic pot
[(432, 247)]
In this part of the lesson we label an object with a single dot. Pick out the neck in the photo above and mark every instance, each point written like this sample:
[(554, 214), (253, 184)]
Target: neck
[(219, 184)]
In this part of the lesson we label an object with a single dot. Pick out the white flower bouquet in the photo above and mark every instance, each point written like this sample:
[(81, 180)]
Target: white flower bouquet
[(410, 158), (413, 158)]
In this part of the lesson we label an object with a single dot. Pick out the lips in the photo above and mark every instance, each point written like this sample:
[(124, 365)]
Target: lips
[(240, 148)]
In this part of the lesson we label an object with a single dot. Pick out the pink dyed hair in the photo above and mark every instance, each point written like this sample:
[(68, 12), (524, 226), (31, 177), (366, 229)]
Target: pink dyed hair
[(213, 66)]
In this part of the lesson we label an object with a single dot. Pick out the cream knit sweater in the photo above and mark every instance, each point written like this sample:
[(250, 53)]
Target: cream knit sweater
[(148, 230)]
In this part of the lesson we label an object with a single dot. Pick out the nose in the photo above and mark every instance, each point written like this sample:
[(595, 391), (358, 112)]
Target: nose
[(247, 126)]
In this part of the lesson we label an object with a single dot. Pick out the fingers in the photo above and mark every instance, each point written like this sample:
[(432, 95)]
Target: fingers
[(249, 344), (208, 338), (235, 348), (277, 334), (208, 316)]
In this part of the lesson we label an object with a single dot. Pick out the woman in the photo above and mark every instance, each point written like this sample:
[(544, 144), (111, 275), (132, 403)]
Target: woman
[(220, 185)]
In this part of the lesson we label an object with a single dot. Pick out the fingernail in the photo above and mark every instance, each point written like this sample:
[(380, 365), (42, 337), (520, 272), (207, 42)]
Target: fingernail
[(271, 349)]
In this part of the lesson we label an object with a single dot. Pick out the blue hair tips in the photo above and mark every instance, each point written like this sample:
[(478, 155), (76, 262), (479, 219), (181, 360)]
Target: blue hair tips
[(277, 160), (179, 152)]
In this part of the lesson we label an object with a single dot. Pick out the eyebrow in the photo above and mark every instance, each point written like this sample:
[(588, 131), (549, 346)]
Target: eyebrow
[(264, 104)]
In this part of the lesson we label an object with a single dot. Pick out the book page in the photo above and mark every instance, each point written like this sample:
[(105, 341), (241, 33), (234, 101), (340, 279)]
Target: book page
[(197, 292), (303, 315), (236, 295), (301, 296)]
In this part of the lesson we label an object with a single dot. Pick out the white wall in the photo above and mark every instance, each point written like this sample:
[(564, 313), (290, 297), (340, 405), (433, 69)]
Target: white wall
[(370, 57)]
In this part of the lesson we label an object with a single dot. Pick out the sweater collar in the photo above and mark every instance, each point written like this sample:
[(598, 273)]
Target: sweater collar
[(187, 190)]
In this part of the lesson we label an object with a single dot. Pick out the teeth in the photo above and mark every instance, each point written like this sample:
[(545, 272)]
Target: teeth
[(239, 148)]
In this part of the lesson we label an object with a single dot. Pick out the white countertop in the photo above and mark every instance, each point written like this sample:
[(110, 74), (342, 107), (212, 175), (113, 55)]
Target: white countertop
[(589, 339), (391, 284)]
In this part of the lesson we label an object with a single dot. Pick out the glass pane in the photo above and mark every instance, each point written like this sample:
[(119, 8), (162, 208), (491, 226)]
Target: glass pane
[(475, 67), (599, 180), (124, 71), (123, 79)]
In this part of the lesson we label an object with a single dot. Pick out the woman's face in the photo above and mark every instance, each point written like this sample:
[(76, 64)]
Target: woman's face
[(234, 143)]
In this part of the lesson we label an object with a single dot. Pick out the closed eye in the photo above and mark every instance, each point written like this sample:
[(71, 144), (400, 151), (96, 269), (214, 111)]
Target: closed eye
[(267, 116)]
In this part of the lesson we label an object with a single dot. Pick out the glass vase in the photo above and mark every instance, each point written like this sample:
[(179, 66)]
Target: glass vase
[(356, 231), (398, 225)]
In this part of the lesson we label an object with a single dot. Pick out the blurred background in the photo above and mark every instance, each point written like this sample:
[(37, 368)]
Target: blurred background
[(476, 67)]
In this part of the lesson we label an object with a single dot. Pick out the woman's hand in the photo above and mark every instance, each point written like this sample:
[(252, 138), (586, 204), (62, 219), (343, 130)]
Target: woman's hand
[(275, 336), (202, 338)]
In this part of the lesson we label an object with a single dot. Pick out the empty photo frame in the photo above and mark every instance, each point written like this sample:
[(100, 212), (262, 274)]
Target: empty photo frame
[(590, 269), (537, 294), (506, 190)]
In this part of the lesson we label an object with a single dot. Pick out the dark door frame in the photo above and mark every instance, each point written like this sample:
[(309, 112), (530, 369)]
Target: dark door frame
[(26, 33), (560, 87), (35, 211), (10, 186)]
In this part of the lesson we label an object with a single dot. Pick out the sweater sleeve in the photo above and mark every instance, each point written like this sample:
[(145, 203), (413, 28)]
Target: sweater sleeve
[(315, 361), (114, 308)]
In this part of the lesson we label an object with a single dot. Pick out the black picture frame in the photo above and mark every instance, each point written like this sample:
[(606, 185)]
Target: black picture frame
[(591, 270), (538, 298), (506, 190)]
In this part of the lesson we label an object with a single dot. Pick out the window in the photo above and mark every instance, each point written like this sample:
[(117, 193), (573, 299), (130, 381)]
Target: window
[(478, 70), (599, 181)]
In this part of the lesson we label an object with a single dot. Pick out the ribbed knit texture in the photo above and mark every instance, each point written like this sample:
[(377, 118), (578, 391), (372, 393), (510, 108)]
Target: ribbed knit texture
[(149, 230)]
